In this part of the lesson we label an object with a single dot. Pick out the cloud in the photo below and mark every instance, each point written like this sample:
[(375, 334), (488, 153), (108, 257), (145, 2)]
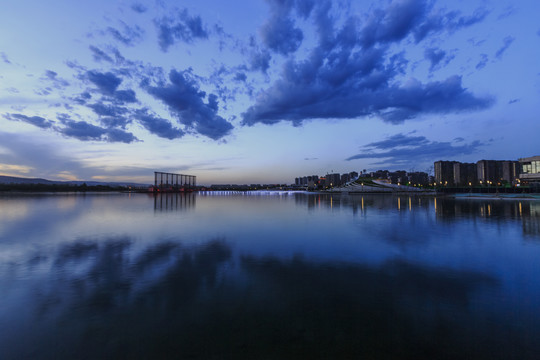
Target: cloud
[(111, 116), (4, 58), (128, 35), (349, 77), (280, 35), (507, 12), (186, 101), (99, 55), (393, 23), (483, 62), (107, 83), (125, 96), (139, 8), (158, 126), (260, 61), (181, 27), (506, 43), (398, 140), (107, 110), (403, 149), (438, 21), (436, 57), (82, 98), (58, 82), (32, 120), (117, 135), (51, 161), (85, 131), (240, 76), (44, 160)]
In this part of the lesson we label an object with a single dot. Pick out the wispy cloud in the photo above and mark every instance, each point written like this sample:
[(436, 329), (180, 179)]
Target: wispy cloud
[(32, 120), (404, 149), (506, 44)]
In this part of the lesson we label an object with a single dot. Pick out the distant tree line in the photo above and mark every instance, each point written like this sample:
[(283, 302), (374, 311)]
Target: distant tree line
[(13, 187)]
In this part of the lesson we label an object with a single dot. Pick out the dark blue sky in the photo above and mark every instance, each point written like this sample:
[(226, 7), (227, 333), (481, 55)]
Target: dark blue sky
[(264, 91)]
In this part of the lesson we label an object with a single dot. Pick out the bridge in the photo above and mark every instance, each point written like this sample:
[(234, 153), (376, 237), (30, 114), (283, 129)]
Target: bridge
[(169, 182)]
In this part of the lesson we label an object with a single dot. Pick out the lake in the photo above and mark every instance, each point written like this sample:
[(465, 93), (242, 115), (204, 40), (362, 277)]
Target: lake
[(268, 275)]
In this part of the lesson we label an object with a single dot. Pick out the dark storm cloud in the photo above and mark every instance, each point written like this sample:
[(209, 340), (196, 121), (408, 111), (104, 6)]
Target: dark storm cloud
[(406, 149), (85, 131), (107, 83), (437, 58), (128, 35), (158, 126), (349, 76), (32, 120), (186, 101), (180, 27), (506, 43)]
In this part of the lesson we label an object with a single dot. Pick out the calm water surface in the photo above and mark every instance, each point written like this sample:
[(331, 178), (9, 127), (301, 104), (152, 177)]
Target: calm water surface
[(268, 276)]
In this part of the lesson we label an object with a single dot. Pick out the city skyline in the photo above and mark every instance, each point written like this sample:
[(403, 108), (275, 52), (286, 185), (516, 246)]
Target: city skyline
[(264, 91)]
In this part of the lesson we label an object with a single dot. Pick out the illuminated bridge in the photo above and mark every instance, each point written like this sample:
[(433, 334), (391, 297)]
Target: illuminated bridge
[(168, 182)]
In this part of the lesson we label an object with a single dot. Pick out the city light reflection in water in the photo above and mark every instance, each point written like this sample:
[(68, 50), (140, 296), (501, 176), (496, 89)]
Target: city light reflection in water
[(257, 276)]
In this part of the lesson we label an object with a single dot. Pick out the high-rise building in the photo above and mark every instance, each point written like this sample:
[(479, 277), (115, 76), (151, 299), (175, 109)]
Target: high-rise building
[(444, 172), (465, 174), (497, 171), (333, 179), (510, 171)]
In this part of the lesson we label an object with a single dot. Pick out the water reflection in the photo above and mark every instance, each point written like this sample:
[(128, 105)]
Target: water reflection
[(174, 201), (279, 277), (104, 299), (446, 209)]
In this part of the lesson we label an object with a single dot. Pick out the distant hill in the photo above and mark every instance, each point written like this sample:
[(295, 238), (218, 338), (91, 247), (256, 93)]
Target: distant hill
[(21, 180)]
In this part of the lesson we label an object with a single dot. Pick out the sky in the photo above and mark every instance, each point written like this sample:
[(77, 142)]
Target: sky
[(263, 91)]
